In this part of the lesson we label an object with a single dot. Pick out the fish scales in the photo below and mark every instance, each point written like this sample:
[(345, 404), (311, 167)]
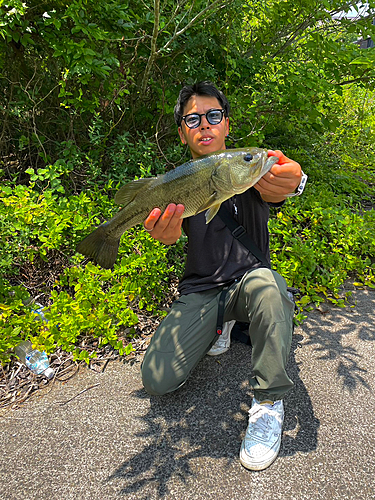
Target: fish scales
[(190, 195), (201, 184)]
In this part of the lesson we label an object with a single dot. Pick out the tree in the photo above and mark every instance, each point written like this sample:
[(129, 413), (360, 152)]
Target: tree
[(77, 75)]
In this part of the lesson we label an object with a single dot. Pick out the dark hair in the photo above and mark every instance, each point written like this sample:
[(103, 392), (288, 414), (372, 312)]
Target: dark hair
[(199, 88)]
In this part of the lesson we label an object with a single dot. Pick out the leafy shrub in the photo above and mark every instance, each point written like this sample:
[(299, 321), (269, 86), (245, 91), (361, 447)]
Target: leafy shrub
[(129, 159), (33, 222), (85, 300), (316, 247), (324, 237)]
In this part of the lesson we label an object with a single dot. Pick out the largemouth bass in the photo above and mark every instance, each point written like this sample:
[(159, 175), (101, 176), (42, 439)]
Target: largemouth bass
[(200, 184)]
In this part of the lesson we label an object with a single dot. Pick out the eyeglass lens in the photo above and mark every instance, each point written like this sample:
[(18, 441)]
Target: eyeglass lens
[(214, 117)]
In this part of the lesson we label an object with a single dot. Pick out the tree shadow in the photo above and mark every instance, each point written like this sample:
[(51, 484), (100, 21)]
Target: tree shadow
[(337, 335), (207, 417), (300, 424)]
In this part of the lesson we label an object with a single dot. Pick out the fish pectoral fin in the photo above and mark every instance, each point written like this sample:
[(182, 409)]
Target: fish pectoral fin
[(212, 205), (211, 212), (207, 204), (127, 193)]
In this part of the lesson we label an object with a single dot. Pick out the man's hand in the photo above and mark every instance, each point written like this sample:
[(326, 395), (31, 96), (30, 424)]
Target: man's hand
[(165, 227), (281, 180)]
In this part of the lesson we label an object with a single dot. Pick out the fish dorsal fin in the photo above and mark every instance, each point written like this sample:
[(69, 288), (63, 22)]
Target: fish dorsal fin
[(207, 204), (211, 212), (127, 193)]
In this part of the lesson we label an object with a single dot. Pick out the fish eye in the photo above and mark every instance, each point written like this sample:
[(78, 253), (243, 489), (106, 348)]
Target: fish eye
[(248, 157)]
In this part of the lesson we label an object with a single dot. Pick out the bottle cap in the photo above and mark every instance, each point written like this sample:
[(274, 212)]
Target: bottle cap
[(48, 372)]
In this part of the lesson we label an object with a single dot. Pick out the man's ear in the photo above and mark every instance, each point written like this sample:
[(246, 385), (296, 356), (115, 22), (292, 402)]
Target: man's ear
[(181, 134), (227, 126)]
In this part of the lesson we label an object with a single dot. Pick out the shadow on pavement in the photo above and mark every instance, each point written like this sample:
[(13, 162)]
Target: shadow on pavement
[(335, 337), (208, 418), (300, 425)]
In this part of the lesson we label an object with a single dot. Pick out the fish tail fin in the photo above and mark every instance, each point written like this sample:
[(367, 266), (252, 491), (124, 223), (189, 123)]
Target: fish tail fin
[(99, 247)]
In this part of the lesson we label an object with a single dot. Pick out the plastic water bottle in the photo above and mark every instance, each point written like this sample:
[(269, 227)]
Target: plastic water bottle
[(35, 360), (36, 309)]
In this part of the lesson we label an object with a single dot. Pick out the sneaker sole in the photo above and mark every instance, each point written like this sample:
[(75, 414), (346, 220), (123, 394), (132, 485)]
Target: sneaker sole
[(257, 465), (218, 352)]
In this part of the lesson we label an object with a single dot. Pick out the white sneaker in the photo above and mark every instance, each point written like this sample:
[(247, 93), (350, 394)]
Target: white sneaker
[(223, 342), (261, 444)]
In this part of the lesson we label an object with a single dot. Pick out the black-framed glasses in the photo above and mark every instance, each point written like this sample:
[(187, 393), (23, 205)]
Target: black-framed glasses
[(213, 116)]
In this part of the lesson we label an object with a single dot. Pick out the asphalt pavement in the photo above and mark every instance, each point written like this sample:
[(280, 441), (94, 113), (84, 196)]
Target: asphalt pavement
[(114, 441)]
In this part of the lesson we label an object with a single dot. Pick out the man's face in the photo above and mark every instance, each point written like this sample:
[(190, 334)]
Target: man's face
[(206, 138)]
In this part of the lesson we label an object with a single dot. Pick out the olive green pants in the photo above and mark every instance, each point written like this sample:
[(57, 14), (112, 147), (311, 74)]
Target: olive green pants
[(182, 339)]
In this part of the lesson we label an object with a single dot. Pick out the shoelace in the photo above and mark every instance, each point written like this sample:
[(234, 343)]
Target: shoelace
[(259, 416)]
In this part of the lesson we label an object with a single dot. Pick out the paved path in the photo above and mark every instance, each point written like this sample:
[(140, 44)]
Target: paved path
[(116, 442)]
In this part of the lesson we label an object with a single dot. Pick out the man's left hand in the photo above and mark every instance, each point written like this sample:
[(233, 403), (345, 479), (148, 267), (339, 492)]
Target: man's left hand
[(283, 179)]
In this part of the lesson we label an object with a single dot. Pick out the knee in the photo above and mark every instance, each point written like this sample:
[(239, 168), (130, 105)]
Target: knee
[(264, 281), (152, 385), (266, 293), (152, 388), (156, 378), (260, 287)]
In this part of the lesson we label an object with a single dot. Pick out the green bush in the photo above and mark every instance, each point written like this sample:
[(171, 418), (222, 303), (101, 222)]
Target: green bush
[(325, 237), (85, 300), (86, 100), (317, 246), (33, 222)]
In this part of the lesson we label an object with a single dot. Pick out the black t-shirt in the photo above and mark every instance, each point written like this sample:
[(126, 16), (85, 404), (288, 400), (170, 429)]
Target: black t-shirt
[(214, 256)]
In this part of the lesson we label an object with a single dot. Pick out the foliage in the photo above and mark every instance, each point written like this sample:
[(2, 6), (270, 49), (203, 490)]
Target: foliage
[(87, 91), (98, 75), (355, 112), (34, 222), (326, 236), (318, 241), (84, 300)]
